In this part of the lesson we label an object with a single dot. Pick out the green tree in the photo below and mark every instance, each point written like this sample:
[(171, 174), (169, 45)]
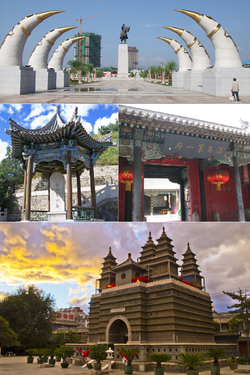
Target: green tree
[(108, 128), (153, 70), (7, 336), (65, 352), (109, 156), (129, 353), (241, 311), (158, 70), (216, 353), (63, 337), (30, 313), (89, 69), (190, 360), (98, 352), (76, 66), (11, 175), (169, 68), (144, 73), (159, 358), (216, 326)]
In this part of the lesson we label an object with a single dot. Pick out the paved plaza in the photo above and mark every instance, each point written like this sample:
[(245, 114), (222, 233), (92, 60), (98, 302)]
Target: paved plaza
[(115, 91), (19, 366)]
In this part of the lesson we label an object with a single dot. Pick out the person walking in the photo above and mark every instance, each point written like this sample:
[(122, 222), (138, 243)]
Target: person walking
[(235, 90)]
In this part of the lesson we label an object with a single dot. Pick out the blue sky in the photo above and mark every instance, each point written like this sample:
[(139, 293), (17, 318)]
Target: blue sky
[(144, 18), (66, 259), (33, 116)]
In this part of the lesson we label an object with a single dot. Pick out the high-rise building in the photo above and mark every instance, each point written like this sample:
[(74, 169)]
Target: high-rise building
[(132, 58), (89, 49)]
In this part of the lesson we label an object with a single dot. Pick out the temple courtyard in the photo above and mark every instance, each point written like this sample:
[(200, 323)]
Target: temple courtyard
[(118, 91), (19, 366)]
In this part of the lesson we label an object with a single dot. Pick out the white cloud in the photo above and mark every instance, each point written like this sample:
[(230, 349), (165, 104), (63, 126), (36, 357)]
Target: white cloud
[(67, 110), (87, 126), (40, 121), (104, 121), (77, 301), (17, 107), (36, 110), (73, 291), (36, 113), (3, 146)]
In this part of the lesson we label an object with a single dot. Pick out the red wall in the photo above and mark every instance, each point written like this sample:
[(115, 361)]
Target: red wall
[(223, 201)]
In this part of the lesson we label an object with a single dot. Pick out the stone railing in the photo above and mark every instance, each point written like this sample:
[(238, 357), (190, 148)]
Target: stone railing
[(79, 213), (38, 215), (108, 192), (3, 215)]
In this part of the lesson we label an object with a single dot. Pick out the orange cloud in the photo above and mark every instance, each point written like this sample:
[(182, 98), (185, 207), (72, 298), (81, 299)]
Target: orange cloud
[(57, 258)]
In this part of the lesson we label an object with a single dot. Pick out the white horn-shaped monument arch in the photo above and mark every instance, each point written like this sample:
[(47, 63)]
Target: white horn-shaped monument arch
[(46, 78), (227, 66), (56, 61), (185, 61), (225, 49), (200, 57), (16, 79), (39, 57), (11, 50)]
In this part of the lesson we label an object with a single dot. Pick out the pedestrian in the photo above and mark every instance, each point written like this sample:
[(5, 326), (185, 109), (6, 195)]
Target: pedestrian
[(235, 90)]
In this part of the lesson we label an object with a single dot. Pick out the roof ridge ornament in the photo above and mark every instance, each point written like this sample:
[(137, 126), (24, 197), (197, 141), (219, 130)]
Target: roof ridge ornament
[(163, 232), (75, 115)]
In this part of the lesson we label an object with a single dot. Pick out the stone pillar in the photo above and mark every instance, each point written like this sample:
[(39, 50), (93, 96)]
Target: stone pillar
[(123, 60), (78, 181), (69, 186), (92, 185), (28, 189), (128, 202), (137, 185), (49, 193), (24, 192), (152, 205), (238, 191), (182, 198)]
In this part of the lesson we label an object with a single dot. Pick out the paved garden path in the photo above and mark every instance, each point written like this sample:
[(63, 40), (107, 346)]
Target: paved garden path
[(19, 366), (119, 92)]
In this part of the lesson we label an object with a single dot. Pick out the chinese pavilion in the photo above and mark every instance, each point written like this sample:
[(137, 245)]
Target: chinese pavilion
[(209, 161), (56, 149), (151, 305)]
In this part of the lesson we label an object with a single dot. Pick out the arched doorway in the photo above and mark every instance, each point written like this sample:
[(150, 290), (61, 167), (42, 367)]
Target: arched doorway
[(118, 331)]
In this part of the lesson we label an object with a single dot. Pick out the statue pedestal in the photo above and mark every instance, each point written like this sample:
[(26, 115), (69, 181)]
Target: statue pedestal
[(17, 80), (45, 79), (218, 81), (57, 216), (193, 80), (123, 60), (178, 79), (62, 78)]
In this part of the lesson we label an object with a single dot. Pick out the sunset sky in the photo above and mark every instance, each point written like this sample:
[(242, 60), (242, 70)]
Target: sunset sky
[(65, 259)]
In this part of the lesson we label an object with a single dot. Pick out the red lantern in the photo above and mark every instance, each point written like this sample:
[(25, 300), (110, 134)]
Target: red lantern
[(126, 175), (218, 177)]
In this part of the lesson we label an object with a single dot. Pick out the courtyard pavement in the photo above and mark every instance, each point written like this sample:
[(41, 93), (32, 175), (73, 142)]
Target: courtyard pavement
[(114, 91), (19, 366)]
